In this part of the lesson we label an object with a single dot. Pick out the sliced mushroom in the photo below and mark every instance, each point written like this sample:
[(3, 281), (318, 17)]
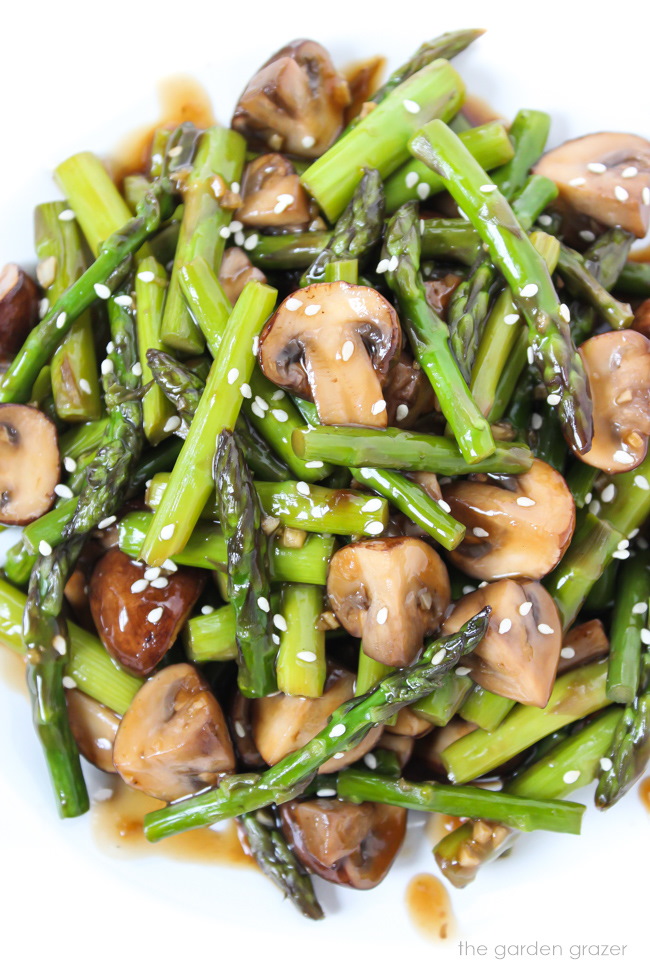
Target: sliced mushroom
[(363, 78), (236, 271), (173, 740), (241, 730), (400, 745), (30, 465), (273, 195), (605, 175), (410, 725), (295, 103), (334, 343), (94, 727), (408, 393), (281, 723), (583, 644), (19, 298), (515, 526), (428, 750), (641, 321), (518, 656), (439, 292), (348, 844), (618, 366), (138, 619), (391, 592)]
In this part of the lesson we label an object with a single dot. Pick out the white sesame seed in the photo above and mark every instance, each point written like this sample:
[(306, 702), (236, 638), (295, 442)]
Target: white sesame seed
[(308, 141), (642, 482), (588, 236), (401, 412), (411, 179), (640, 608), (169, 565), (160, 583), (311, 310), (462, 671), (284, 200), (102, 291), (205, 610), (69, 683), (44, 547), (633, 533), (393, 262), (480, 532), (293, 304), (553, 399), (577, 181), (225, 232), (107, 367), (84, 386), (525, 608), (263, 405), (545, 629), (139, 585), (155, 615), (106, 522), (307, 655), (621, 193), (645, 636), (588, 497), (239, 238), (511, 319), (152, 572), (594, 506), (303, 488), (146, 276), (251, 242), (443, 504), (423, 191), (59, 644), (645, 195), (43, 306), (278, 394), (337, 731), (67, 215), (438, 657), (137, 369), (467, 590), (314, 464), (596, 167), (524, 502), (276, 639), (348, 350), (505, 625), (622, 457), (255, 346), (382, 267), (236, 226), (63, 491), (608, 492), (61, 319), (411, 106), (606, 763), (378, 407), (536, 421), (382, 615), (124, 301), (629, 172), (281, 416), (233, 376), (239, 729), (530, 355), (545, 220), (567, 653), (565, 313), (173, 423), (374, 528), (258, 411), (370, 761), (279, 622), (488, 187), (529, 290), (374, 504), (571, 777), (70, 464), (623, 544), (167, 531), (246, 391)]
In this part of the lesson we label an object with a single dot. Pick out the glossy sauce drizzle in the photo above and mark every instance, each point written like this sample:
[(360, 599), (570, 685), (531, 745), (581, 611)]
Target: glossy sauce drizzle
[(644, 793), (117, 827), (429, 907)]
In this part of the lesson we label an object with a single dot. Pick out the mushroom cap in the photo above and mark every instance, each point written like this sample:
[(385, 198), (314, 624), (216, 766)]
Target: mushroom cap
[(439, 292), (588, 641), (344, 842), (428, 750), (410, 725), (273, 195), (173, 740), (294, 103), (507, 535), (122, 615), (94, 727), (19, 298), (641, 321), (30, 465), (334, 343), (391, 592), (282, 723), (236, 271), (518, 656), (618, 367), (608, 196)]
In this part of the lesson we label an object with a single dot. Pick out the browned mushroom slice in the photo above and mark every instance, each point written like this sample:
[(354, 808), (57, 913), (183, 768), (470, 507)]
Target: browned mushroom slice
[(519, 654), (605, 175), (391, 592), (583, 644), (30, 464), (273, 194), (428, 750), (618, 366), (410, 724), (439, 292), (348, 844), (241, 729), (295, 103), (408, 393), (334, 343), (236, 271), (641, 321), (515, 526), (400, 745), (363, 78), (138, 618), (94, 727), (18, 309), (281, 723), (173, 740)]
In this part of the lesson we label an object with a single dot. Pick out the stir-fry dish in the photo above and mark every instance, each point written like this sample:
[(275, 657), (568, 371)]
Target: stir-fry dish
[(327, 432)]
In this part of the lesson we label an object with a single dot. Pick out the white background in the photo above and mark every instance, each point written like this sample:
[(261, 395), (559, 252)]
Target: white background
[(79, 76)]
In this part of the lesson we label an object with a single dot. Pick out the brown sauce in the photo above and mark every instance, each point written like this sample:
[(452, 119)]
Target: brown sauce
[(429, 907), (117, 827), (644, 793), (182, 99), (440, 826), (12, 670)]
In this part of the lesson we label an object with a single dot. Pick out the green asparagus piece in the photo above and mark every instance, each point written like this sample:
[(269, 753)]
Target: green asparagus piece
[(82, 438), (518, 812), (346, 727), (429, 335), (528, 132), (441, 705), (580, 481), (220, 155), (629, 618), (380, 140), (150, 290), (211, 636), (301, 666), (402, 450), (134, 188), (347, 270), (583, 284), (277, 860), (191, 480), (485, 709), (369, 672), (560, 365), (248, 583), (93, 197), (629, 752), (628, 506), (634, 280), (75, 383), (575, 695), (445, 46)]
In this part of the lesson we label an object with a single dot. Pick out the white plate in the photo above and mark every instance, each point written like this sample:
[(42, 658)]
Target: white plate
[(78, 76)]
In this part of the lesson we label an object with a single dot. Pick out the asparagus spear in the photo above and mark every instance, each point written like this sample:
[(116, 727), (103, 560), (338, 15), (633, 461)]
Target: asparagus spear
[(442, 704), (629, 618), (428, 336), (277, 860), (211, 636), (248, 584), (634, 280), (582, 283), (369, 672), (528, 132), (630, 748), (94, 198), (445, 46), (524, 270), (345, 728), (485, 708), (301, 656), (150, 290), (80, 439)]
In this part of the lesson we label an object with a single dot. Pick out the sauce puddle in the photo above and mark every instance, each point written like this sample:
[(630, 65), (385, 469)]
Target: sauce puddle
[(429, 907)]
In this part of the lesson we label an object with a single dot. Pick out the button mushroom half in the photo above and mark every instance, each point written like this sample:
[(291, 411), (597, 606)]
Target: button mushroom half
[(618, 366), (173, 740), (518, 656), (334, 343), (94, 727), (391, 592), (236, 271), (606, 176), (19, 298), (348, 844), (30, 464), (516, 526), (273, 195)]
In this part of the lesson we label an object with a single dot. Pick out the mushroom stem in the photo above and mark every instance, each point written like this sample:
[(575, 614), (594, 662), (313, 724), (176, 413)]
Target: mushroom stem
[(344, 388)]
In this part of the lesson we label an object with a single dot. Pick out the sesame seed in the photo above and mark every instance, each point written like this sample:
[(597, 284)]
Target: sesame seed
[(175, 151), (565, 313), (524, 502), (63, 491), (308, 141), (370, 761), (146, 276), (382, 615), (311, 310), (69, 683), (173, 423), (59, 644), (46, 271), (348, 350), (206, 610), (463, 671), (393, 262), (596, 167), (622, 457), (281, 416), (152, 572), (137, 369), (43, 306), (307, 655), (167, 531), (67, 215), (139, 585), (44, 547), (325, 792), (594, 507), (642, 482), (374, 528), (640, 608), (608, 492), (284, 200), (629, 172), (160, 583), (378, 407), (239, 238), (525, 608), (61, 319), (411, 179), (588, 236), (293, 304), (258, 411), (236, 226), (467, 590), (303, 488), (536, 421), (623, 544), (255, 346), (251, 242), (511, 319), (488, 187), (567, 653), (545, 629), (314, 464), (423, 192), (411, 106), (374, 504), (645, 195), (530, 355), (276, 639), (124, 301), (170, 565), (545, 220), (606, 763), (279, 622), (401, 412), (102, 291), (438, 657), (480, 532), (70, 464), (553, 399), (588, 497), (577, 181), (263, 405), (571, 777), (505, 625), (337, 731), (382, 267), (621, 193), (443, 504), (106, 522), (233, 376), (645, 636), (225, 232), (529, 290), (235, 187), (239, 729), (246, 391), (155, 615)]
